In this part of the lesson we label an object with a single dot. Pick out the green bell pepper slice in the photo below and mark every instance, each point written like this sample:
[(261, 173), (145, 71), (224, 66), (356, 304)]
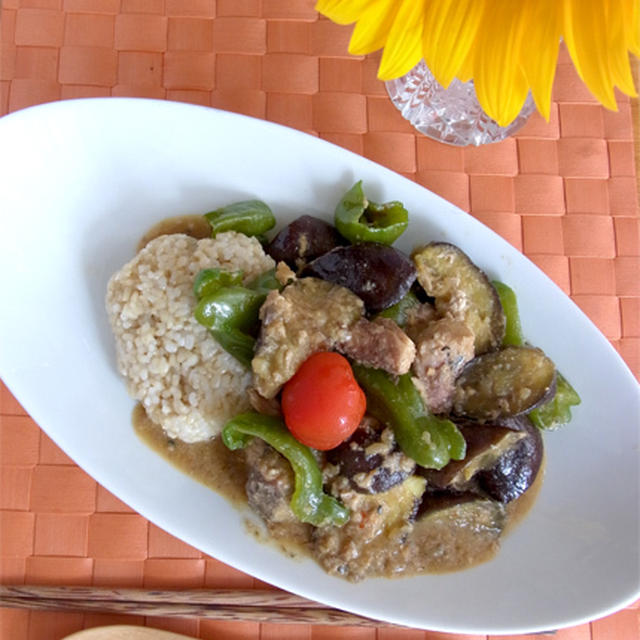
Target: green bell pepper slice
[(229, 310), (513, 329), (265, 282), (208, 281), (238, 344), (359, 220), (431, 441), (251, 217), (557, 411), (231, 314), (399, 311), (309, 502)]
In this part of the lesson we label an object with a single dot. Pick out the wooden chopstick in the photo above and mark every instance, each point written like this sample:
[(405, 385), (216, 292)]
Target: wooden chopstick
[(219, 604)]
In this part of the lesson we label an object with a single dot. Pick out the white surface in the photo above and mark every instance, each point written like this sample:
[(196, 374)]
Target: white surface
[(82, 180)]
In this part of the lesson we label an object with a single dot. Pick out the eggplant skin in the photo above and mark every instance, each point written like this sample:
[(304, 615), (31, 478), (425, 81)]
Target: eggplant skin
[(486, 443), (504, 384), (380, 275), (502, 463), (462, 523), (461, 290), (371, 469), (515, 423), (516, 470), (303, 240)]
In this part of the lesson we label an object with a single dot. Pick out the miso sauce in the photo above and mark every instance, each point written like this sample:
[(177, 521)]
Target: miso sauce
[(225, 471)]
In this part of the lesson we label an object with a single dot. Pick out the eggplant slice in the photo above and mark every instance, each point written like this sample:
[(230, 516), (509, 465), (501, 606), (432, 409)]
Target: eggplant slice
[(502, 461), (454, 531), (378, 274), (303, 240), (486, 444), (462, 291), (516, 470), (270, 483), (504, 384), (436, 503), (371, 461), (373, 542)]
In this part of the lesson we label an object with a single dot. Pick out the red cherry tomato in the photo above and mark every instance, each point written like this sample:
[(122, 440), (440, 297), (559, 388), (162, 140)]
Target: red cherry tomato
[(323, 404)]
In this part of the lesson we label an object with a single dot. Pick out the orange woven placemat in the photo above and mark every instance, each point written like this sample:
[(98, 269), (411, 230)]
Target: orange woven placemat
[(563, 192)]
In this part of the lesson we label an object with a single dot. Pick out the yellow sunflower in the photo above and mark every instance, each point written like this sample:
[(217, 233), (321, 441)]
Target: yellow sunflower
[(508, 47)]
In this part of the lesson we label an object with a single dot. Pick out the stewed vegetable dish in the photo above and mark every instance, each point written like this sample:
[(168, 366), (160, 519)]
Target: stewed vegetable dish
[(381, 412)]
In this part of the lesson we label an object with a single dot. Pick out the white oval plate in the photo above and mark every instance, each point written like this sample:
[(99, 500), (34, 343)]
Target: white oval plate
[(82, 180)]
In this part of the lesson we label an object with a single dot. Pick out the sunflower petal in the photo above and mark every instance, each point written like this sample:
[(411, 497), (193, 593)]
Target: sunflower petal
[(586, 37), (465, 72), (499, 81), (507, 47), (450, 28), (539, 58), (631, 18), (403, 49), (342, 11), (373, 27), (617, 47)]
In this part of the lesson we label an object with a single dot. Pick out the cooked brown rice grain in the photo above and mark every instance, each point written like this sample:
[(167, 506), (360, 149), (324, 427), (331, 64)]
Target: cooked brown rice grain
[(186, 382)]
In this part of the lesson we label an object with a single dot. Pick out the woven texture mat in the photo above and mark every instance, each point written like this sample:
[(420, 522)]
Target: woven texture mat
[(563, 192)]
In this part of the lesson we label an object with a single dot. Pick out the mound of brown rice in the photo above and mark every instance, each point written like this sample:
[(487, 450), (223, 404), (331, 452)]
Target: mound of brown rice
[(186, 382)]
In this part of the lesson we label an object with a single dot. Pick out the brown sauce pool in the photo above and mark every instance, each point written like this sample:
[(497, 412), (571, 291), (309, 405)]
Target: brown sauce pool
[(225, 472), (209, 462), (195, 226)]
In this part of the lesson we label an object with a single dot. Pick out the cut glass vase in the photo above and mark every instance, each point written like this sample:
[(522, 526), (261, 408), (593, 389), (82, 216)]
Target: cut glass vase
[(452, 115)]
